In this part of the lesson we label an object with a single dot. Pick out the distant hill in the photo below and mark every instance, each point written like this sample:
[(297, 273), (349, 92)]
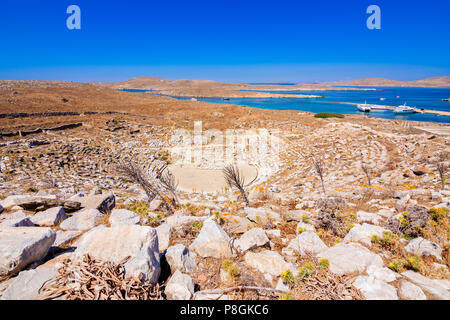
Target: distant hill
[(442, 82)]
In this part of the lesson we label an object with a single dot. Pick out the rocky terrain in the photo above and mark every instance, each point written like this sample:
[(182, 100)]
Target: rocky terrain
[(435, 82), (357, 208)]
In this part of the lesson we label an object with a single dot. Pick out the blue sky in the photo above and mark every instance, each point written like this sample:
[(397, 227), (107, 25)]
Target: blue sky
[(225, 40)]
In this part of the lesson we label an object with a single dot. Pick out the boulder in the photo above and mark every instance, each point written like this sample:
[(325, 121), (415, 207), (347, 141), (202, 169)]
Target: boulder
[(424, 247), (295, 215), (164, 233), (27, 284), (382, 273), (50, 217), (409, 291), (102, 202), (140, 243), (71, 206), (304, 243), (63, 238), (269, 262), (368, 217), (252, 239), (179, 287), (374, 289), (29, 202), (437, 289), (348, 258), (16, 219), (212, 242), (120, 217), (302, 226), (21, 246), (237, 224), (180, 258), (83, 220), (364, 233), (261, 215)]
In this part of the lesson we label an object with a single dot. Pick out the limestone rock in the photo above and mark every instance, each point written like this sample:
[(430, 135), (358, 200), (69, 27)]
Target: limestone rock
[(304, 243), (270, 262), (49, 217), (305, 227), (102, 202), (409, 291), (295, 215), (368, 217), (27, 284), (120, 217), (164, 233), (29, 202), (424, 247), (21, 246), (180, 258), (179, 287), (63, 238), (374, 289), (364, 233), (437, 289), (212, 241), (16, 219), (261, 215), (117, 243), (252, 239), (238, 224), (83, 220), (348, 258), (383, 274)]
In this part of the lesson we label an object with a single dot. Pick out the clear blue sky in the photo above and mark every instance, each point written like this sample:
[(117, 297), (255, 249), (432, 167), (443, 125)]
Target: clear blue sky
[(226, 40)]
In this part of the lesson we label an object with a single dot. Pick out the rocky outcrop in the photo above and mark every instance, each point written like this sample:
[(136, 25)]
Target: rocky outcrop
[(49, 217), (82, 220), (424, 247)]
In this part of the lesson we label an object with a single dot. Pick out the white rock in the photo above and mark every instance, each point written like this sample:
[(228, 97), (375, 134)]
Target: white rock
[(83, 220), (27, 284), (387, 213), (261, 215), (63, 238), (252, 239), (23, 245), (275, 233), (101, 202), (50, 217), (210, 296), (117, 243), (238, 224), (437, 289), (177, 220), (304, 243), (374, 289), (305, 227), (212, 241), (179, 287), (372, 218), (424, 247), (180, 258), (164, 233), (121, 217), (17, 200), (383, 274), (295, 215), (283, 286), (270, 262), (16, 219), (364, 233), (348, 258), (409, 291)]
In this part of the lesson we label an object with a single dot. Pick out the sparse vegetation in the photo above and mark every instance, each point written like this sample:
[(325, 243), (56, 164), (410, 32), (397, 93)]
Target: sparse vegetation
[(328, 115), (235, 179)]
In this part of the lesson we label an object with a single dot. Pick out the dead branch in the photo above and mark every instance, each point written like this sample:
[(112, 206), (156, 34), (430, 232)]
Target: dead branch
[(234, 179)]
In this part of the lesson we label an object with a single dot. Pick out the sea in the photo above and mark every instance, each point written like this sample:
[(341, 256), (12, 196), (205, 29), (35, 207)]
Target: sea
[(334, 101)]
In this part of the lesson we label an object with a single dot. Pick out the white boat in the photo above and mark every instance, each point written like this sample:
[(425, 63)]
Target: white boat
[(378, 108), (193, 99), (364, 107), (404, 109), (382, 99)]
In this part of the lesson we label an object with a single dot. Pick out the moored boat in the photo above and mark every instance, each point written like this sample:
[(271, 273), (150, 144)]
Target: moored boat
[(404, 109), (364, 107)]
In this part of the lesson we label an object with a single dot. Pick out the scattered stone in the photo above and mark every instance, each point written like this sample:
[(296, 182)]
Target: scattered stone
[(302, 226), (437, 289), (27, 284), (305, 243), (102, 202), (240, 225), (121, 217), (71, 206), (364, 233), (348, 258), (252, 239), (50, 217), (21, 246), (179, 287), (261, 215), (212, 242), (63, 238), (295, 215), (372, 218), (409, 291), (16, 219), (117, 243), (424, 247), (164, 233), (383, 274), (374, 289), (270, 262), (179, 258), (83, 220)]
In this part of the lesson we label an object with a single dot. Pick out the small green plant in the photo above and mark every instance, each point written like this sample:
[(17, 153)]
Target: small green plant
[(286, 296), (197, 225), (288, 277), (413, 263), (324, 263), (395, 266), (328, 115), (307, 270), (305, 218), (438, 214), (232, 269)]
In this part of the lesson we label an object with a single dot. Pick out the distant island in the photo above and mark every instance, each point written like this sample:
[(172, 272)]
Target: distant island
[(435, 82)]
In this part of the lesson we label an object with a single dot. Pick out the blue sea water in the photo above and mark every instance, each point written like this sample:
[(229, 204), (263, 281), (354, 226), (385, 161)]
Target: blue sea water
[(422, 98)]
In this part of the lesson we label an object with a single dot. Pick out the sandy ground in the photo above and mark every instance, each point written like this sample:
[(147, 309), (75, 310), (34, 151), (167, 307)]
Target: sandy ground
[(207, 180)]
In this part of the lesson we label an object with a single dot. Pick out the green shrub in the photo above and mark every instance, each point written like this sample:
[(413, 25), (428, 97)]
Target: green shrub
[(328, 115)]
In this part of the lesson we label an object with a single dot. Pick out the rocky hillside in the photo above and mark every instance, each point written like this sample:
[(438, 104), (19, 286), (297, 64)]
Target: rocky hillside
[(435, 82)]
